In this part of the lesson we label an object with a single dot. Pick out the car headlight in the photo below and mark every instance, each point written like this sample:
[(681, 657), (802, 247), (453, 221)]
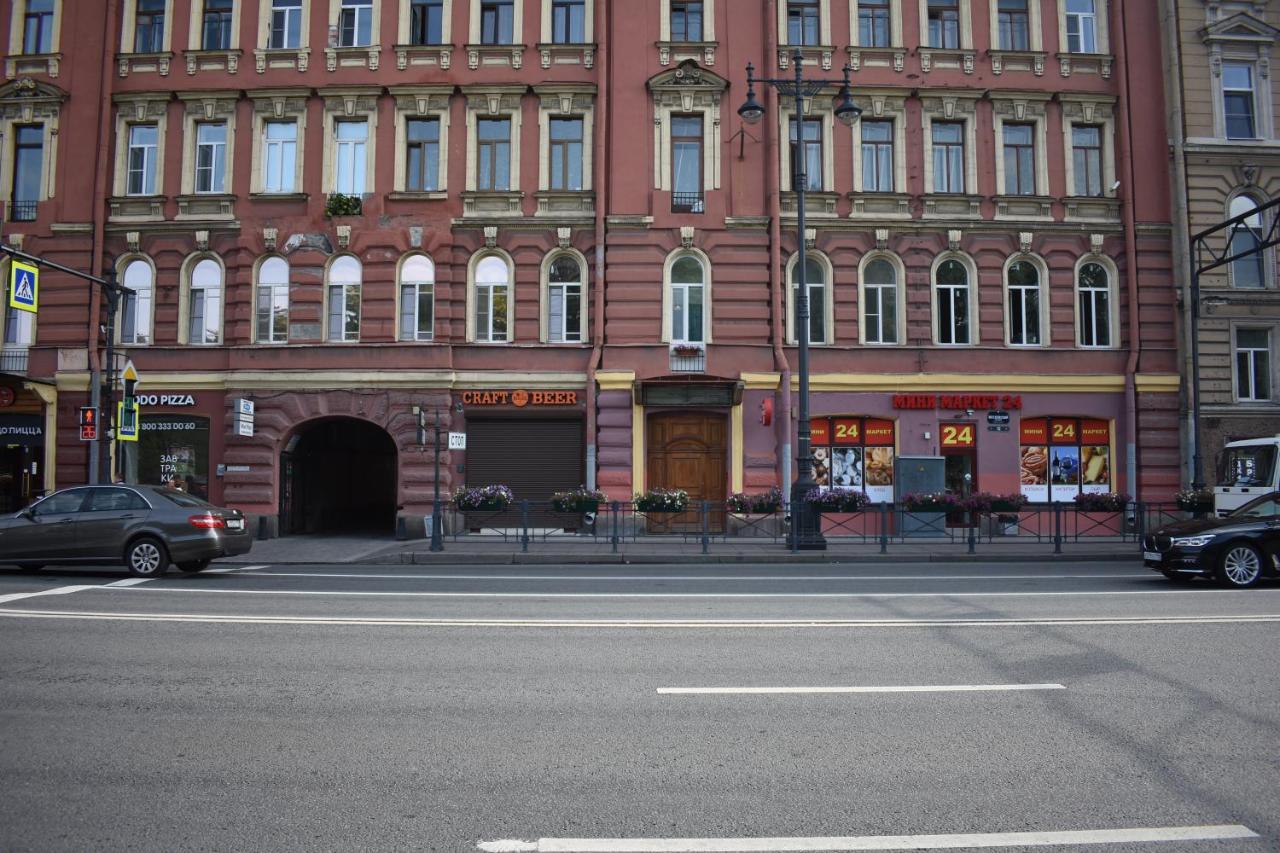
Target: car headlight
[(1193, 541)]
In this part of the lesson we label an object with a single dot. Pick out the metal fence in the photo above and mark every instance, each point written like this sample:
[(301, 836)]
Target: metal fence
[(711, 525)]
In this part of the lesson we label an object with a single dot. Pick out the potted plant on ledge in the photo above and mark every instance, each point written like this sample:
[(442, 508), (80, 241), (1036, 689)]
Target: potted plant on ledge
[(925, 513), (755, 515), (1196, 501), (579, 500), (662, 500), (494, 498), (1100, 514)]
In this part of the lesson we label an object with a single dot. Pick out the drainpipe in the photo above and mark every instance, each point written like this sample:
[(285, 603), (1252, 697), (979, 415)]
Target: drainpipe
[(1127, 215), (101, 168), (773, 186), (600, 182), (1181, 219)]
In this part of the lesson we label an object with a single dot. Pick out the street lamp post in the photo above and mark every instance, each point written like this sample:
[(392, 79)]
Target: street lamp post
[(806, 532)]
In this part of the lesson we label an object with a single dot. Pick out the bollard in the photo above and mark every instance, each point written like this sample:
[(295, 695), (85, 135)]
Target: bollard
[(437, 528), (706, 511), (1140, 523), (973, 520), (613, 513), (1057, 527), (524, 526), (884, 528)]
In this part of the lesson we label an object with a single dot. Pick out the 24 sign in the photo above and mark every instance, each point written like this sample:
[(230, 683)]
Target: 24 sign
[(957, 435)]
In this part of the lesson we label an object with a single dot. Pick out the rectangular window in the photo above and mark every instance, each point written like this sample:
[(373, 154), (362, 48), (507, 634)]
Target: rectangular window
[(417, 310), (493, 153), (135, 317), (279, 156), (566, 154), (1238, 104), (564, 312), (873, 23), (37, 27), (806, 155), (1024, 315), (286, 25), (686, 20), (148, 32), (948, 157), (355, 24), (215, 29), (1013, 19), (686, 164), (1082, 26), (877, 156), (349, 157), (344, 312), (953, 314), (1253, 365), (19, 326), (568, 21), (211, 157), (491, 313), (422, 155), (273, 313), (28, 163), (496, 22), (141, 161), (1086, 160), (802, 22), (426, 22), (206, 315), (881, 313), (817, 306), (1095, 307), (1019, 159), (944, 24), (686, 319)]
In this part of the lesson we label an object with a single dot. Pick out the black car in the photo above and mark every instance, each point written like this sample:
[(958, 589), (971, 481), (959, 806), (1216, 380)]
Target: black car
[(1237, 550)]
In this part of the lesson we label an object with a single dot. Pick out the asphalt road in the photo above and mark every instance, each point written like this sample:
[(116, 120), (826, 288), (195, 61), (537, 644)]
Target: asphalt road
[(516, 708)]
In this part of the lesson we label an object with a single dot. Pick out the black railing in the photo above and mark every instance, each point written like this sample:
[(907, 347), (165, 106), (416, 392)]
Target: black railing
[(687, 203), (688, 359), (13, 361), (23, 211)]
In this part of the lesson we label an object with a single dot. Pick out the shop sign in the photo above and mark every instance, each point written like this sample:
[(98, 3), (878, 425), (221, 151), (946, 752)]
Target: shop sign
[(27, 430), (165, 399), (957, 435), (1058, 458), (852, 452), (957, 402), (520, 398), (878, 433), (997, 418)]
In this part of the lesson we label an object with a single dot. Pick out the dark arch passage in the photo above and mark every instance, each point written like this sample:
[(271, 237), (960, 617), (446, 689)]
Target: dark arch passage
[(338, 476)]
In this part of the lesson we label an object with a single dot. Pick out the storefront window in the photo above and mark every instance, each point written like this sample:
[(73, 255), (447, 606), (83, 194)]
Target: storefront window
[(1058, 458), (853, 452), (173, 450)]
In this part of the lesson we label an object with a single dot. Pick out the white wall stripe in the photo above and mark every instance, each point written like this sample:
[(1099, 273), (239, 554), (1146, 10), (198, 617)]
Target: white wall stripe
[(977, 840), (904, 688)]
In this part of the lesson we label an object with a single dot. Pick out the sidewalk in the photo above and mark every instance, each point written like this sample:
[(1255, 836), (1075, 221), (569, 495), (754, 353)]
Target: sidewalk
[(493, 550)]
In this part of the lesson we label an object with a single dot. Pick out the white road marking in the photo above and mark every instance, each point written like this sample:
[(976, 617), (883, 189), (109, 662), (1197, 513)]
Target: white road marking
[(905, 688), (58, 590), (633, 623), (1145, 835), (129, 582), (737, 578), (226, 570)]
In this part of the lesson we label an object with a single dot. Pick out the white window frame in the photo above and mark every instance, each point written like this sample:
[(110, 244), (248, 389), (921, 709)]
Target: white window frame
[(1255, 80), (214, 296), (415, 103), (265, 18), (668, 295), (1101, 34), (342, 289), (356, 103), (565, 102), (708, 22), (278, 105), (274, 287), (503, 102), (895, 25), (1236, 351), (195, 32), (1113, 319), (824, 25), (546, 333), (351, 155), (899, 302), (1042, 302), (153, 158), (286, 151), (1089, 112), (971, 287), (403, 283), (588, 24), (1267, 262), (826, 116), (827, 296), (1035, 28), (374, 8), (966, 139), (474, 295), (219, 151), (966, 27), (17, 32), (672, 98), (128, 26), (1021, 111), (142, 302), (517, 25)]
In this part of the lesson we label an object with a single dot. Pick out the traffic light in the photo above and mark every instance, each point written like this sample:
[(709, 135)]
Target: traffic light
[(88, 423)]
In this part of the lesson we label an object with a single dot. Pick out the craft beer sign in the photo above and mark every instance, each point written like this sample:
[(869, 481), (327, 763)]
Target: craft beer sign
[(520, 398)]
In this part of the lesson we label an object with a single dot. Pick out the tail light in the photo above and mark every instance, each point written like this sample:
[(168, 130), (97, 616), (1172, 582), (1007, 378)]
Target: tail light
[(207, 521)]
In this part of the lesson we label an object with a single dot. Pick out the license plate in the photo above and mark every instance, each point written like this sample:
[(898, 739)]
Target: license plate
[(1152, 555), (235, 523)]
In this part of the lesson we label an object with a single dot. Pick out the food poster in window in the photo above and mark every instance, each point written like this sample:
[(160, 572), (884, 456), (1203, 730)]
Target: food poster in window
[(822, 467), (173, 450), (1095, 457), (1064, 459), (855, 453), (877, 460), (1033, 460), (846, 467)]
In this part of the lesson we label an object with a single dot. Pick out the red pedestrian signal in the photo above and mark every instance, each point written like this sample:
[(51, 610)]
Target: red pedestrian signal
[(88, 423)]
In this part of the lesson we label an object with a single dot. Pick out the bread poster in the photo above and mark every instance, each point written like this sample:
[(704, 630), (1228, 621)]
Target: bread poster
[(1033, 472), (1095, 469)]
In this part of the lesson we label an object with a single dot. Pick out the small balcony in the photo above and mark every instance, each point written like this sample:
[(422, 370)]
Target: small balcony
[(23, 211), (687, 203), (687, 357), (13, 360)]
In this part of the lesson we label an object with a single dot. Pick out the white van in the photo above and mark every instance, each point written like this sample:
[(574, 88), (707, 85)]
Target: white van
[(1246, 469)]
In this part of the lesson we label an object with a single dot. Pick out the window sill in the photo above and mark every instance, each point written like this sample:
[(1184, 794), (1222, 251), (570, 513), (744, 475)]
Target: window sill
[(813, 54), (25, 65), (945, 57), (818, 203), (877, 57), (1017, 60), (495, 54), (880, 205), (206, 206), (133, 63), (352, 57), (566, 54), (952, 206), (136, 208), (1085, 63), (417, 195), (423, 54), (1092, 209), (212, 60), (266, 196), (566, 203), (484, 203), (678, 51), (1035, 208), (281, 57)]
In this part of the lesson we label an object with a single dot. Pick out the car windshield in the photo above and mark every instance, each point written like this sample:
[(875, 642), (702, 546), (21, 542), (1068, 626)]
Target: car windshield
[(182, 498), (1263, 507), (1247, 466)]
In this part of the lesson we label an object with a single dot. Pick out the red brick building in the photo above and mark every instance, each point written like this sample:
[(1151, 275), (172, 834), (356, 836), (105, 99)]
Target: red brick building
[(545, 219)]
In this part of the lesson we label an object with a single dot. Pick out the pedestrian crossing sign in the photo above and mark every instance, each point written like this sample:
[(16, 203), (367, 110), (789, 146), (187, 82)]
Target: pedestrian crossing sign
[(127, 419), (24, 286)]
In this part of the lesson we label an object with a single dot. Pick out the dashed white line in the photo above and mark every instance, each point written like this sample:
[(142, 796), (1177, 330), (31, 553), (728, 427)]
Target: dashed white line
[(900, 688), (59, 590), (227, 570), (840, 844), (128, 582)]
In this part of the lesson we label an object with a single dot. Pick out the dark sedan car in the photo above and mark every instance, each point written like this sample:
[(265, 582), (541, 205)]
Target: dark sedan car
[(1237, 550), (145, 527)]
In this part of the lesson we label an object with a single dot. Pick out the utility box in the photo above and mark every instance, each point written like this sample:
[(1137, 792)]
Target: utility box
[(919, 475)]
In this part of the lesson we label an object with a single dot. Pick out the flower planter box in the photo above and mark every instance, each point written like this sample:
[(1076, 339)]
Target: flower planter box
[(755, 525), (923, 522)]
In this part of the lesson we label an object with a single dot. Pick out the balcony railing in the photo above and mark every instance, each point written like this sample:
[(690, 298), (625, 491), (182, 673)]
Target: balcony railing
[(22, 211), (688, 358), (13, 361), (687, 203)]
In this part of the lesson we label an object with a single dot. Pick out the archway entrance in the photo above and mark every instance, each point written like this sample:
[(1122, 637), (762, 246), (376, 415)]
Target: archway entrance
[(338, 476)]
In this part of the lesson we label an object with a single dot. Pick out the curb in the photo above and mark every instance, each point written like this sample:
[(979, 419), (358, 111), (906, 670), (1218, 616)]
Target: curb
[(427, 558)]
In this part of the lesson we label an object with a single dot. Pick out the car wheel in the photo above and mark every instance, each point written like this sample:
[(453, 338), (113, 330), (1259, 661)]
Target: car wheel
[(146, 558), (1177, 577), (194, 566), (1240, 566)]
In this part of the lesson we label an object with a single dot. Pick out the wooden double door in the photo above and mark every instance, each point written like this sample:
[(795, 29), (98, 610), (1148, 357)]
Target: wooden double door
[(688, 451)]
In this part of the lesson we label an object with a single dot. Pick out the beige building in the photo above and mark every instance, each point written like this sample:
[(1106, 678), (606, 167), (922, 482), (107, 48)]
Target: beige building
[(1226, 162)]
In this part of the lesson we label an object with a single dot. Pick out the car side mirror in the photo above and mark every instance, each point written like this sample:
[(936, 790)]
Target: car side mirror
[(28, 514)]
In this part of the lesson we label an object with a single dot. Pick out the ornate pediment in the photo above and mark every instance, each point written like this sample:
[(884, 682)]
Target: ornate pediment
[(687, 75), (1241, 27), (28, 89)]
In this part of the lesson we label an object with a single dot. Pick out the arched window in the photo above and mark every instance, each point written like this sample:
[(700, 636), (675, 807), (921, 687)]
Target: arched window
[(880, 302), (417, 298), (344, 299), (1023, 280), (204, 303), (815, 279), (1093, 289), (951, 283), (564, 300), (688, 288), (135, 308), (272, 325), (492, 300), (1247, 237)]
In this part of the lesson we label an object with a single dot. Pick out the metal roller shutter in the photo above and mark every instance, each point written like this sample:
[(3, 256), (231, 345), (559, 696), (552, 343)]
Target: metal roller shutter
[(533, 457)]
